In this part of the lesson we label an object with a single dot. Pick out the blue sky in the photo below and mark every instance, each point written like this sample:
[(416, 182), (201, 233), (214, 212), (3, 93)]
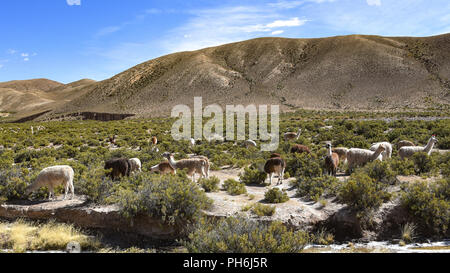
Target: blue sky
[(67, 40)]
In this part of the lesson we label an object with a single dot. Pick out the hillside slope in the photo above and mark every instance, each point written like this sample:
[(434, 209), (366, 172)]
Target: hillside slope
[(346, 72), (19, 99)]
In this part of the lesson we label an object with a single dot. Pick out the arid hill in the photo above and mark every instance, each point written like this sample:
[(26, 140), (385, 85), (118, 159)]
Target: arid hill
[(345, 72), (19, 99)]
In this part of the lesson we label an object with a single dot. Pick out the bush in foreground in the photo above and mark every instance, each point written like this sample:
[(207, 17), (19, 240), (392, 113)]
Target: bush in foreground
[(210, 184), (429, 203), (234, 187), (263, 210), (174, 199), (252, 177), (276, 196), (362, 193), (315, 188), (12, 184), (241, 235)]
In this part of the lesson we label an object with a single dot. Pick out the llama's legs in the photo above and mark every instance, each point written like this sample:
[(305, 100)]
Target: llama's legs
[(51, 194), (72, 190), (66, 191)]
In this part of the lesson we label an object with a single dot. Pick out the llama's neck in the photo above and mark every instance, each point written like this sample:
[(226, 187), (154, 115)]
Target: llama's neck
[(330, 152), (427, 149), (172, 162), (154, 168), (376, 154)]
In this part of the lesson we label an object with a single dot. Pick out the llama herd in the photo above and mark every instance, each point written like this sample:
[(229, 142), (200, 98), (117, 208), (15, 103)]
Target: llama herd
[(55, 176)]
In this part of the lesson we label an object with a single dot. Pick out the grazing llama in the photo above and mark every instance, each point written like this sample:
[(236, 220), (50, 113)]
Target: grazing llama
[(51, 178)]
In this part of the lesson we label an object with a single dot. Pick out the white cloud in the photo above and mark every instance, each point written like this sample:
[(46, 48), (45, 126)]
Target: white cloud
[(12, 51), (216, 26), (282, 4), (108, 30), (1, 66), (24, 54), (374, 2), (278, 32), (26, 59), (73, 2), (294, 22)]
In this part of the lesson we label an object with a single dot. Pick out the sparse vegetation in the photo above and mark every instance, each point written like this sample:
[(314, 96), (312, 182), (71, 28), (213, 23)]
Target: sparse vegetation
[(263, 210), (317, 187), (429, 203), (276, 196), (362, 193), (210, 184), (252, 176), (234, 187), (241, 235)]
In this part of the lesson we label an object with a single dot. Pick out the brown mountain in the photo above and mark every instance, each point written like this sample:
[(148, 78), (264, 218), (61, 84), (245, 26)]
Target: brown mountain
[(345, 72), (19, 99)]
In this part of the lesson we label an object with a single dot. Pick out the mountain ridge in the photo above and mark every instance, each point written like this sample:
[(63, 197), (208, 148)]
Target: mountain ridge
[(355, 72)]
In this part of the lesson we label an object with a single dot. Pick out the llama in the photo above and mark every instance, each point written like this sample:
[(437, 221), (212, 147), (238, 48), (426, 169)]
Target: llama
[(192, 142), (163, 168), (154, 141), (112, 139), (193, 165), (51, 178), (119, 166), (290, 136), (275, 165), (404, 143), (215, 138), (136, 165), (408, 151), (207, 167), (275, 155), (250, 143), (342, 153), (299, 149), (359, 157), (387, 153), (331, 161)]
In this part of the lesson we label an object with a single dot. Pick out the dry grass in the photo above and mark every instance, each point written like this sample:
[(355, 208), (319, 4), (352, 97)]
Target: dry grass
[(409, 233), (23, 236)]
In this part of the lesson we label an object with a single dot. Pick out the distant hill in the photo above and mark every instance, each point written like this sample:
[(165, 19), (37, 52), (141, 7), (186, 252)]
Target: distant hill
[(19, 99), (31, 85), (344, 72)]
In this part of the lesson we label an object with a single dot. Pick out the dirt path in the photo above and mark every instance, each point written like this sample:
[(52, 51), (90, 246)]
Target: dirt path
[(296, 211)]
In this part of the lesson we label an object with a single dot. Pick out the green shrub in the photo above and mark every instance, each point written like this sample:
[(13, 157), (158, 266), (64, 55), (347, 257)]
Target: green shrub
[(402, 167), (423, 163), (263, 210), (362, 193), (304, 165), (429, 203), (174, 199), (12, 184), (276, 196), (252, 177), (234, 187), (315, 188), (210, 184), (380, 172), (94, 185), (241, 235)]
